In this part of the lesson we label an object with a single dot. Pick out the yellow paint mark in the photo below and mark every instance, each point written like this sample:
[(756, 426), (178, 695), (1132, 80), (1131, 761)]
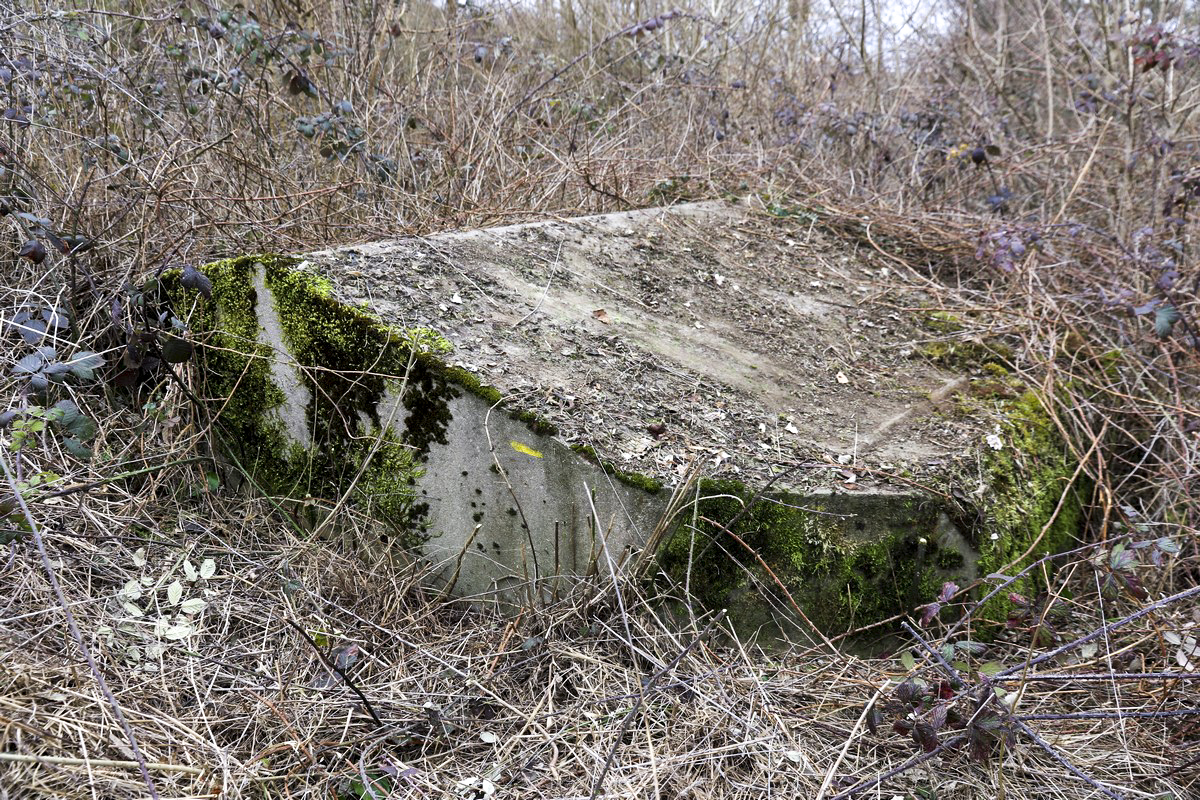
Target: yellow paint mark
[(526, 449)]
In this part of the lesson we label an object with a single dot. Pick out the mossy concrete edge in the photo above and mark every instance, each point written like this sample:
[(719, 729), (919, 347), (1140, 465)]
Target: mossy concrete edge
[(996, 508)]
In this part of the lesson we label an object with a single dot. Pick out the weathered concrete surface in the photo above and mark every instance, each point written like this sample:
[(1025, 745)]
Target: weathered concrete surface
[(708, 337)]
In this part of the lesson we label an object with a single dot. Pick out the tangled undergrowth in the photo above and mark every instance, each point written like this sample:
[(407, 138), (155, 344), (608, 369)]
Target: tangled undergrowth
[(1034, 167)]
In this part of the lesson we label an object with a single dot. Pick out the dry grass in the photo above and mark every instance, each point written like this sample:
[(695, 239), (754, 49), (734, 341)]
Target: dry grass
[(139, 139), (537, 705)]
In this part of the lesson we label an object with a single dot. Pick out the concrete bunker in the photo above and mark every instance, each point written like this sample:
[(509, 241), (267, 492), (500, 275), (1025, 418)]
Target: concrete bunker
[(516, 404)]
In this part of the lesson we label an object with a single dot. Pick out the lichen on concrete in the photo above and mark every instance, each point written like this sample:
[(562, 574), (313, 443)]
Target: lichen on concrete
[(633, 479)]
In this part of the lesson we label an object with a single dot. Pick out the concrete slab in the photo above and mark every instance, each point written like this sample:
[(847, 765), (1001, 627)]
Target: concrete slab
[(754, 345), (707, 337)]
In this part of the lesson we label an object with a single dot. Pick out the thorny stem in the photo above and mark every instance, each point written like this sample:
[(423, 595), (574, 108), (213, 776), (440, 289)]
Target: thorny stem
[(1102, 631), (946, 667), (1074, 770), (341, 673), (648, 687), (1101, 676), (905, 767), (1179, 712), (1008, 581), (40, 543)]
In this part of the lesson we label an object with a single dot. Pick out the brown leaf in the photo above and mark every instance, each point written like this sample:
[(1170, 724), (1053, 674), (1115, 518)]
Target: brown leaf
[(34, 250), (925, 736)]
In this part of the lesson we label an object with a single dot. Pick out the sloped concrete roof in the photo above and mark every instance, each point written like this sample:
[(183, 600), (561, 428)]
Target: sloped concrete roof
[(706, 333)]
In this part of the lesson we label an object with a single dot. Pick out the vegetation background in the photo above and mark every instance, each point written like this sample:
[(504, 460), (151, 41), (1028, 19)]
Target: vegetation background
[(1034, 160)]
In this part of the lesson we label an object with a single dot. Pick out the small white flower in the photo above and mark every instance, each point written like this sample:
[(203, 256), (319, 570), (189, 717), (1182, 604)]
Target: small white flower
[(995, 442)]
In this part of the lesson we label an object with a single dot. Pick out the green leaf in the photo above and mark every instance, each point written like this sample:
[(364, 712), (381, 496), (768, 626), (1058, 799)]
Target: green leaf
[(84, 363), (82, 428), (76, 243), (29, 364), (1165, 318), (988, 721), (178, 631), (1167, 545), (991, 668), (1121, 558), (63, 412), (378, 785), (77, 448), (906, 659), (74, 421), (176, 350), (193, 605), (34, 250), (57, 371)]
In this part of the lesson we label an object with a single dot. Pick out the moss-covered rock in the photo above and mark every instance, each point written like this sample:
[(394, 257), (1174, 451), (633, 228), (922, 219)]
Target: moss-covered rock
[(316, 397), (1027, 505)]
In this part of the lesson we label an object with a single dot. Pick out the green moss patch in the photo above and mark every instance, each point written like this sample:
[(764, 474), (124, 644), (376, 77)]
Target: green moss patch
[(636, 480), (235, 371), (849, 560), (1025, 480), (959, 353), (943, 322), (347, 360), (846, 560)]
